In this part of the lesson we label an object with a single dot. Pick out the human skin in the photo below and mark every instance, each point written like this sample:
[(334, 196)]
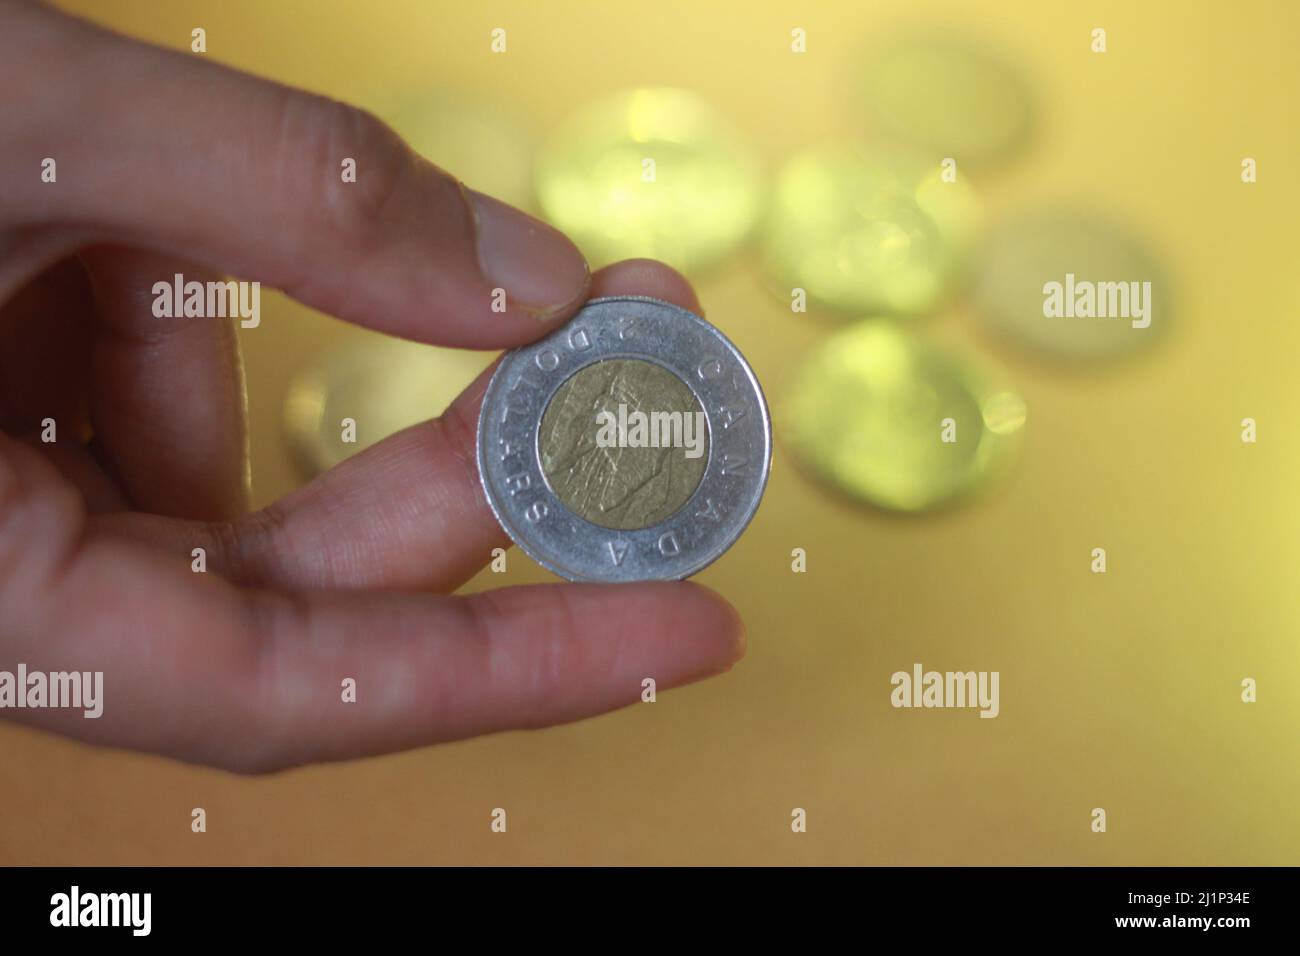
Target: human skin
[(168, 163)]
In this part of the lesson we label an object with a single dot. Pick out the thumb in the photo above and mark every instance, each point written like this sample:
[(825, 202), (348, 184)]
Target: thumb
[(171, 152)]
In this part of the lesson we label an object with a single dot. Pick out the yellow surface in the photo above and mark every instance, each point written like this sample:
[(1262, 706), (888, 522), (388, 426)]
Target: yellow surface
[(1118, 691)]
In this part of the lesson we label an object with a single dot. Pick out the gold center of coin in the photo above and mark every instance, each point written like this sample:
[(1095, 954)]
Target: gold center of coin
[(624, 443)]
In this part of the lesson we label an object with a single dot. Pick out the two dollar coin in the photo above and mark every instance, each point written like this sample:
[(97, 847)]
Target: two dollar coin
[(631, 444)]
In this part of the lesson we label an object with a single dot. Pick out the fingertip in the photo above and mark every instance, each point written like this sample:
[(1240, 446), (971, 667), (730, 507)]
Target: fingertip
[(719, 618), (647, 277), (696, 632), (675, 631), (540, 269)]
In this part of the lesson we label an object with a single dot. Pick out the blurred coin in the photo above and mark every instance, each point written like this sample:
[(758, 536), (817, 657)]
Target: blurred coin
[(382, 387), (472, 139), (649, 172), (869, 229), (592, 504), (1110, 295), (948, 94), (895, 422)]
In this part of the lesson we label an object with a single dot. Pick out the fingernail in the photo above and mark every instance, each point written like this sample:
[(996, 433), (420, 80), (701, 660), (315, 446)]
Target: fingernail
[(540, 269)]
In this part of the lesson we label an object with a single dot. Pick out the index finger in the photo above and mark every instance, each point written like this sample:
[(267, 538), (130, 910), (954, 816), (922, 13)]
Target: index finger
[(272, 184)]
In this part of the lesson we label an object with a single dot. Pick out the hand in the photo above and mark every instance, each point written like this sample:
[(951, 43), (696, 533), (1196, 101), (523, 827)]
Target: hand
[(166, 163)]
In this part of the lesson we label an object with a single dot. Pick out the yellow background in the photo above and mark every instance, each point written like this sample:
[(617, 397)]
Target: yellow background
[(1119, 691)]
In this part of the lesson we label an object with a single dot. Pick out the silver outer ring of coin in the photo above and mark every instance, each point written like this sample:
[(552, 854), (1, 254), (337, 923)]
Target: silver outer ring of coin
[(739, 456)]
